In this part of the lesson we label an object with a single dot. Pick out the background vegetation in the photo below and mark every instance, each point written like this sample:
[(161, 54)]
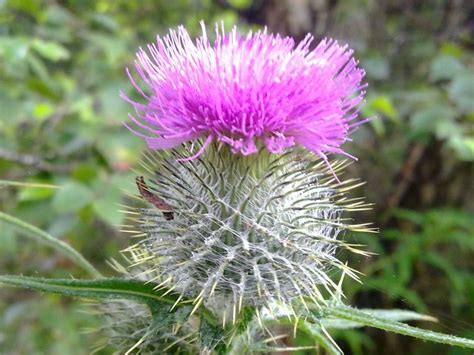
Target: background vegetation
[(61, 68)]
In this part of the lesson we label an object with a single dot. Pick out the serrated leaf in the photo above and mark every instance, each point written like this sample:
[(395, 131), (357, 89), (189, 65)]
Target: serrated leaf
[(111, 288)]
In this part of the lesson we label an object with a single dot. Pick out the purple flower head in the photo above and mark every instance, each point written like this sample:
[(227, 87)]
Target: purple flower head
[(241, 90)]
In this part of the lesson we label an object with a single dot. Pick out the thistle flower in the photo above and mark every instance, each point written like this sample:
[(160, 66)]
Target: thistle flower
[(225, 225), (247, 90)]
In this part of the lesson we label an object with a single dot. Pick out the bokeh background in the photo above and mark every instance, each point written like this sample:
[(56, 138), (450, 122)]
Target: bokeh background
[(62, 64)]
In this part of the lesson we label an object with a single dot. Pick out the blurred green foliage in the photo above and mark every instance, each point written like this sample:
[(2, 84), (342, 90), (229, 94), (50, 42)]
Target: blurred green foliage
[(426, 266), (62, 64)]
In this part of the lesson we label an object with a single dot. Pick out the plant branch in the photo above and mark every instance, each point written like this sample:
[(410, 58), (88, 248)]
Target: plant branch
[(28, 184), (51, 241), (34, 161)]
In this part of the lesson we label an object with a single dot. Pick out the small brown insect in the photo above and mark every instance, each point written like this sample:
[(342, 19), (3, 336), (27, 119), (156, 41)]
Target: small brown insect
[(153, 199)]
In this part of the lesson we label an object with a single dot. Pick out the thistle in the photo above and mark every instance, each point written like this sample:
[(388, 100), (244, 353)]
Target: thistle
[(243, 215)]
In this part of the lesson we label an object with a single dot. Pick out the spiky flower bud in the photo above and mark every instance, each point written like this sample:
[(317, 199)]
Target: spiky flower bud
[(244, 230)]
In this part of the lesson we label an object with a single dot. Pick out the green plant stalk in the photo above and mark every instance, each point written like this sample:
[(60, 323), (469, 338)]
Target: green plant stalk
[(28, 184), (358, 316), (54, 243)]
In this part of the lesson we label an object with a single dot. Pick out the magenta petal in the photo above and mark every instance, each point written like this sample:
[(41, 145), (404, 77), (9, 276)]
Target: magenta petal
[(244, 89)]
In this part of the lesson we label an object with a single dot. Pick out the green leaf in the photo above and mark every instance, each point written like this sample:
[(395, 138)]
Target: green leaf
[(119, 148), (108, 211), (452, 49), (85, 172), (13, 49), (241, 4), (463, 146), (384, 104), (440, 262), (461, 91), (445, 67), (448, 128), (114, 109), (246, 316), (377, 67), (50, 50), (42, 110), (212, 336), (108, 196), (413, 216), (11, 108), (38, 67), (34, 193), (241, 338), (31, 191), (72, 197), (389, 314), (377, 106), (434, 119), (370, 320), (111, 288)]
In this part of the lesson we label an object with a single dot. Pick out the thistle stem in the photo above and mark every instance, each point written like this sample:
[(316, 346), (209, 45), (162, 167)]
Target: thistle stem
[(355, 315), (28, 184), (51, 241)]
